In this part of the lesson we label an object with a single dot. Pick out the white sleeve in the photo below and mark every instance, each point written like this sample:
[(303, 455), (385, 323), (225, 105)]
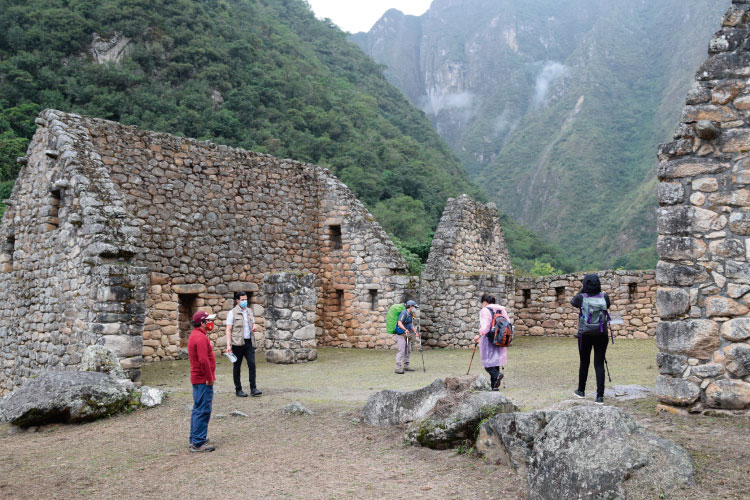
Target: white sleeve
[(230, 318)]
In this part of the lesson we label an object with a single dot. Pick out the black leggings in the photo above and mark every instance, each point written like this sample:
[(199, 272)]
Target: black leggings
[(246, 351), (494, 372), (599, 344)]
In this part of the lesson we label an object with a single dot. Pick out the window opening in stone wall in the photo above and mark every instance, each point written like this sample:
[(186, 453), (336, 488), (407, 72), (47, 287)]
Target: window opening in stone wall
[(373, 300), (335, 234), (53, 211), (339, 305), (560, 295), (6, 259), (185, 310), (526, 297), (632, 290)]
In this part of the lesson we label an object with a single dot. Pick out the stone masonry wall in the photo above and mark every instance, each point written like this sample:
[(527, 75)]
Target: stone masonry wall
[(187, 223), (290, 320), (704, 232), (541, 306)]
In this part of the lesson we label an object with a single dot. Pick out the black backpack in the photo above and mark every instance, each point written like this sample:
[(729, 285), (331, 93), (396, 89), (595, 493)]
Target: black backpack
[(501, 330)]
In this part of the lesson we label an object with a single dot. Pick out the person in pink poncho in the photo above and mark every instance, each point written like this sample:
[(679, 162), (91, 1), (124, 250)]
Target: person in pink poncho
[(493, 357)]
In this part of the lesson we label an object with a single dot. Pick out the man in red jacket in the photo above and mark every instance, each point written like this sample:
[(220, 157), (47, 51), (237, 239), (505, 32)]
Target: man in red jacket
[(202, 376)]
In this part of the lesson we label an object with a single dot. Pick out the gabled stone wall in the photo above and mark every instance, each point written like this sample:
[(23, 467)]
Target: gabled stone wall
[(704, 232), (143, 229)]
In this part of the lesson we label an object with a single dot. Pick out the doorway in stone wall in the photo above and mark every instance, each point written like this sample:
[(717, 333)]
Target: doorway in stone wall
[(185, 310)]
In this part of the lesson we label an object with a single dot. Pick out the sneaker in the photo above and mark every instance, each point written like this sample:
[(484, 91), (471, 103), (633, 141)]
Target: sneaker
[(205, 447), (241, 394), (579, 394), (400, 371), (500, 376), (407, 369), (599, 400), (255, 393)]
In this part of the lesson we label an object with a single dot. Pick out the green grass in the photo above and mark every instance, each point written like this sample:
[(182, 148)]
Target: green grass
[(540, 371)]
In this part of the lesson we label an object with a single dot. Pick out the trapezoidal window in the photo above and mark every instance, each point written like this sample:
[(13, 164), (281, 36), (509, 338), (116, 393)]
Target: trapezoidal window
[(334, 233), (53, 210), (185, 310), (632, 290)]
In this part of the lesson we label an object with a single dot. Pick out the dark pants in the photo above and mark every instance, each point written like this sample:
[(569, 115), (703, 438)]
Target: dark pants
[(203, 396), (494, 372), (599, 343), (247, 352)]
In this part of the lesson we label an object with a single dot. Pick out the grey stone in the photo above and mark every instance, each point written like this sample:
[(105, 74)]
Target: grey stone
[(151, 396), (676, 391), (390, 407), (671, 364), (728, 394), (736, 330), (237, 413), (672, 302), (66, 396), (296, 408), (628, 392), (97, 358), (706, 130), (698, 338), (738, 356), (280, 356)]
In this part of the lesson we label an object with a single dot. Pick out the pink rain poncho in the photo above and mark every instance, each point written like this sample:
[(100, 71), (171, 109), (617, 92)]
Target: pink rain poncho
[(492, 355)]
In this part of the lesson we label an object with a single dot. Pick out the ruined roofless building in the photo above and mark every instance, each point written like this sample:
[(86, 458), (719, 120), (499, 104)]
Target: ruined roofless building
[(115, 236), (704, 232)]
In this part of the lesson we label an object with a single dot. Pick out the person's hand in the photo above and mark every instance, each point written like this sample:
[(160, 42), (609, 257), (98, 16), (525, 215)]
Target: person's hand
[(255, 327), (476, 338), (229, 349), (209, 382)]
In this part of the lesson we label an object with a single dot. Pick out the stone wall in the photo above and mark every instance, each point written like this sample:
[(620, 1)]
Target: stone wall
[(541, 306), (181, 225), (704, 232), (290, 303)]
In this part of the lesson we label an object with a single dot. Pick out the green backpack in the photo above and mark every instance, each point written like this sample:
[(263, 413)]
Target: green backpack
[(391, 320)]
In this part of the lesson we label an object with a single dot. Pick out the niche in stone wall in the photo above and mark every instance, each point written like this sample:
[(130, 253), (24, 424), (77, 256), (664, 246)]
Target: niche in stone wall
[(334, 233), (373, 296), (632, 290), (53, 210), (560, 295), (339, 301), (6, 257), (526, 297), (186, 307)]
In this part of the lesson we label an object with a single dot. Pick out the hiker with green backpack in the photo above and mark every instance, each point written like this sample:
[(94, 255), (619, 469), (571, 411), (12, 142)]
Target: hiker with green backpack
[(593, 325), (400, 322)]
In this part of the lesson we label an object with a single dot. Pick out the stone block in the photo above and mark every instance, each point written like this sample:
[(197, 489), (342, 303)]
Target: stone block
[(738, 359), (677, 169), (671, 364), (124, 346), (728, 394), (672, 302), (305, 333), (739, 223), (280, 356), (676, 391), (670, 274), (730, 248), (189, 289), (698, 338), (737, 272), (724, 306), (736, 330)]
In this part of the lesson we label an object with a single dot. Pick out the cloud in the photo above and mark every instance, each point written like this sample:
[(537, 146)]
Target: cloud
[(460, 105), (504, 124), (551, 72)]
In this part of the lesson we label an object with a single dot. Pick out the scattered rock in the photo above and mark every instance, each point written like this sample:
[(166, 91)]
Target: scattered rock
[(66, 396), (627, 392), (237, 413), (151, 396), (390, 407), (296, 409)]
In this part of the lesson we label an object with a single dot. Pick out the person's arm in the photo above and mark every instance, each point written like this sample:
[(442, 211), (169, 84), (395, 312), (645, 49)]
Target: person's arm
[(251, 319), (230, 322), (485, 319), (577, 301), (401, 318), (204, 363), (606, 299)]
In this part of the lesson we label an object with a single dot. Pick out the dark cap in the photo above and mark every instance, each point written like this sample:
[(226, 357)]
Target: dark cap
[(201, 315), (412, 303)]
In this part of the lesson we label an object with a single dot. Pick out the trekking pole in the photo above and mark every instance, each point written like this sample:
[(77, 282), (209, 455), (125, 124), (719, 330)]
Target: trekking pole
[(472, 357), (607, 365), (419, 331)]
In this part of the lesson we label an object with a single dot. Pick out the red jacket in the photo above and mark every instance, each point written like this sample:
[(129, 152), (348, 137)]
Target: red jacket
[(202, 360)]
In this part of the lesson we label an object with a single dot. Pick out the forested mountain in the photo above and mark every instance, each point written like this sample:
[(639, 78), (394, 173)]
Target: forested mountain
[(556, 107)]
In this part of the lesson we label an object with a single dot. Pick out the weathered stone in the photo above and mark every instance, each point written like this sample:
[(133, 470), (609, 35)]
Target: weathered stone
[(123, 346), (670, 193), (724, 306), (596, 452), (676, 169), (706, 130), (735, 141), (707, 184), (671, 364), (672, 302), (151, 396), (736, 330), (728, 394), (67, 396), (727, 248), (708, 370), (97, 358), (738, 359), (739, 223), (296, 409), (670, 274), (280, 356), (676, 391), (192, 289), (737, 291), (680, 248), (398, 407), (698, 338)]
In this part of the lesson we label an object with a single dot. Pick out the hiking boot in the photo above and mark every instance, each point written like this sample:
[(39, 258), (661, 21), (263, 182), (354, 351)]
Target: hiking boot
[(400, 371), (241, 394), (496, 385), (579, 394), (407, 369), (255, 393), (205, 447), (600, 400)]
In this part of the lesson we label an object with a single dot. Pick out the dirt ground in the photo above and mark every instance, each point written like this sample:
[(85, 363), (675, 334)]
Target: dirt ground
[(330, 455)]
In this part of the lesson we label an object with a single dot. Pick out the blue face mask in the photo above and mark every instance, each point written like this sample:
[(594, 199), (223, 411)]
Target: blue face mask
[(243, 304)]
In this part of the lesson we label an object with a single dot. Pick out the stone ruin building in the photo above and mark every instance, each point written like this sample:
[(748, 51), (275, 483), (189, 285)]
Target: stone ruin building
[(703, 273), (115, 236)]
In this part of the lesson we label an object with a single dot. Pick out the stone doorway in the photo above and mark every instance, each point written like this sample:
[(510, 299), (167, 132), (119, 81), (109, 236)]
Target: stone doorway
[(186, 307)]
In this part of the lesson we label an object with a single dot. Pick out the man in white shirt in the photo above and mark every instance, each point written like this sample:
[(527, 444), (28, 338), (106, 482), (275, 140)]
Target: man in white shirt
[(241, 342)]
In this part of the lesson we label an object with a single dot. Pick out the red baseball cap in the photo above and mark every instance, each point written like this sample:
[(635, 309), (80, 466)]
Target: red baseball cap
[(201, 315)]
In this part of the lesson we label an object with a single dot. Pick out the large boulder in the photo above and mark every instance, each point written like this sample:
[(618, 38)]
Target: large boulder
[(456, 421), (66, 396), (590, 452), (390, 407)]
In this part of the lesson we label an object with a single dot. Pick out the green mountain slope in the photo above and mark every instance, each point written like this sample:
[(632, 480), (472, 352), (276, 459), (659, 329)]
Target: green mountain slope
[(262, 75), (556, 108)]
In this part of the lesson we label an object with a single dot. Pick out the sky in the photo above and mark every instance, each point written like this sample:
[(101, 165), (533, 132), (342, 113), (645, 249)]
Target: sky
[(354, 16)]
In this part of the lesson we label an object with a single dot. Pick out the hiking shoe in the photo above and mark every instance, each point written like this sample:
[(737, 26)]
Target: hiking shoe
[(496, 386), (400, 371), (579, 394), (205, 447), (407, 369), (255, 393), (241, 394), (599, 400)]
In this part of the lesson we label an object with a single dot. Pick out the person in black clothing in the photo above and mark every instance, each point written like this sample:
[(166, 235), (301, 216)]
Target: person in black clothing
[(587, 341)]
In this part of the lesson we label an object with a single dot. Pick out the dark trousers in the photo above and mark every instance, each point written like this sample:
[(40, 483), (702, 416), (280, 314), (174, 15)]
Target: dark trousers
[(203, 396), (494, 372), (599, 343), (247, 352)]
